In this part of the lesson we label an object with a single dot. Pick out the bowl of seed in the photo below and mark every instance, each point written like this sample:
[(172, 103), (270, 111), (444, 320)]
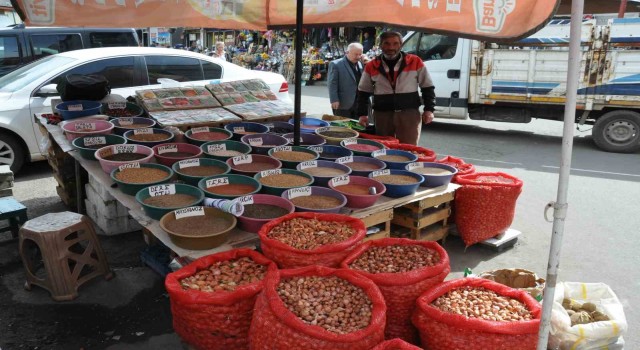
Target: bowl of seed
[(87, 145), (361, 192), (76, 128), (361, 147), (169, 153), (198, 228), (362, 166), (323, 170), (124, 124), (158, 200), (279, 128), (394, 158), (133, 177), (122, 110), (306, 139), (240, 129), (260, 209), (229, 186), (148, 136), (262, 143), (202, 135), (276, 181), (399, 183), (315, 199), (251, 164), (335, 134), (291, 156), (435, 174), (113, 156), (191, 171), (330, 152), (223, 150)]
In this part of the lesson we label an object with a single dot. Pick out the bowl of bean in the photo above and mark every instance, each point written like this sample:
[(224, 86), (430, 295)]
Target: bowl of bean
[(279, 128), (158, 200), (277, 181), (323, 170), (306, 139), (315, 199), (223, 150), (148, 136), (395, 159), (169, 153), (122, 125), (260, 209), (202, 135), (229, 186), (198, 228), (133, 177), (331, 152), (77, 128), (245, 128), (251, 164), (113, 156), (358, 190), (291, 156), (335, 134), (309, 125), (122, 109), (262, 143), (191, 171), (362, 166), (435, 174), (361, 147), (399, 183), (87, 145), (78, 108)]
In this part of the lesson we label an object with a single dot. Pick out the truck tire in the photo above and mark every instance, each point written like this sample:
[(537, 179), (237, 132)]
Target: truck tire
[(11, 152), (618, 131)]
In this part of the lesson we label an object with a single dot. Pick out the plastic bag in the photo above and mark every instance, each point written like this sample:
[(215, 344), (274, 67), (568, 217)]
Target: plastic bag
[(217, 320), (330, 255), (400, 290), (596, 335), (458, 163), (395, 344), (446, 331), (485, 205), (274, 327), (424, 154), (386, 139)]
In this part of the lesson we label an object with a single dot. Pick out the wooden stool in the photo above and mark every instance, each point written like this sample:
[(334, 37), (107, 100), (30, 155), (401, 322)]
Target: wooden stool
[(15, 212), (67, 263)]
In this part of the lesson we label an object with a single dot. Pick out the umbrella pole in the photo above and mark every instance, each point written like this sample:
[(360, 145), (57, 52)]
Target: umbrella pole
[(298, 82), (561, 205)]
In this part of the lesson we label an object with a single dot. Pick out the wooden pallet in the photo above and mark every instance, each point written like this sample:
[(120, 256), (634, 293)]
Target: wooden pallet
[(426, 219), (382, 217)]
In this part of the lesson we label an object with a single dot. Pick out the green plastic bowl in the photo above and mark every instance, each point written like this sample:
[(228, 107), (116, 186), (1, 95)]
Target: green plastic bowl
[(193, 179), (228, 145), (277, 191), (133, 188), (206, 130), (292, 164), (232, 179), (158, 212), (104, 140)]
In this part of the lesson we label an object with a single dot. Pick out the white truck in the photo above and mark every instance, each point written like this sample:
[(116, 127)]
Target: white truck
[(527, 79)]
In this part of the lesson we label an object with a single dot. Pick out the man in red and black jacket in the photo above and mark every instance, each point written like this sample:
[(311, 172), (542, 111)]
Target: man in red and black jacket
[(393, 78)]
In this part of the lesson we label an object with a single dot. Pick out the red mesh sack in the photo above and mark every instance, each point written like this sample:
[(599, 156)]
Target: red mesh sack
[(329, 255), (396, 344), (424, 154), (400, 290), (274, 327), (485, 205), (463, 168), (386, 139), (218, 320), (447, 331)]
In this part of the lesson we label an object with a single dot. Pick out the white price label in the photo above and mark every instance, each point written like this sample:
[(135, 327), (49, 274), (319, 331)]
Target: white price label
[(245, 200), (117, 105), (219, 181), (75, 108), (289, 139), (167, 149), (187, 212), (188, 163), (256, 142), (84, 126), (216, 148), (200, 129), (283, 149), (316, 149), (414, 166), (381, 173), (308, 164), (125, 149), (97, 140), (134, 165), (341, 180), (144, 131), (347, 159), (270, 126), (125, 121), (323, 129), (244, 159), (238, 129), (271, 172), (299, 192), (348, 142), (162, 190), (378, 153)]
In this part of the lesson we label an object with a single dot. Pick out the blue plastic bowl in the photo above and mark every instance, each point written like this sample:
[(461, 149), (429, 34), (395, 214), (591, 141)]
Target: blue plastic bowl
[(249, 128), (331, 152), (397, 165), (88, 108), (309, 125), (396, 191), (306, 139), (432, 180)]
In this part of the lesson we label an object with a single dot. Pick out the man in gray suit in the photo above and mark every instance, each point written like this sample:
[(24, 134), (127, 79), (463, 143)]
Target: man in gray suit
[(343, 78)]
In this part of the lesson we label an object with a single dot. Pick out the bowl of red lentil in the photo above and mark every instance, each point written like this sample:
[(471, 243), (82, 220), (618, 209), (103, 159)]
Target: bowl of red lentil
[(130, 110), (315, 199), (362, 166), (113, 156), (223, 150), (169, 153), (399, 183), (251, 164), (122, 125), (335, 134), (229, 186), (148, 136), (158, 200), (262, 143), (87, 145), (133, 177), (240, 129), (291, 156), (276, 181), (201, 135), (260, 209), (191, 171), (323, 170), (357, 190), (395, 159), (306, 139), (361, 147), (205, 228), (77, 128)]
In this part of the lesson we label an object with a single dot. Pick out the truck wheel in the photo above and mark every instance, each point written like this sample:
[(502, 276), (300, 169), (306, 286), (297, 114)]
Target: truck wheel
[(618, 131), (11, 152)]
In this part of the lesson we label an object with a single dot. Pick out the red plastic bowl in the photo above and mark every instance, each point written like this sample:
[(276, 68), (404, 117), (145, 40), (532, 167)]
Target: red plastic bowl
[(360, 200), (255, 158), (164, 152), (109, 165), (78, 128), (254, 225)]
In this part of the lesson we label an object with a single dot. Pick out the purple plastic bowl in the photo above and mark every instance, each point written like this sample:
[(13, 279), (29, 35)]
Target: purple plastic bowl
[(361, 200), (324, 180), (279, 128), (306, 139), (255, 158), (254, 225), (361, 159), (319, 191), (256, 141)]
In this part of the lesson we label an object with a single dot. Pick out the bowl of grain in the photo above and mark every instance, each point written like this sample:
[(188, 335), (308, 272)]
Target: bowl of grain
[(323, 170), (148, 136), (362, 166), (358, 190), (191, 171), (291, 156), (198, 228), (113, 156), (87, 145), (277, 181), (77, 128), (330, 152), (169, 153), (240, 129), (158, 200), (315, 199), (124, 124), (335, 134), (399, 183), (251, 164), (260, 209), (435, 174), (229, 186), (201, 135), (262, 143), (133, 177), (395, 159), (223, 150), (306, 139), (361, 147)]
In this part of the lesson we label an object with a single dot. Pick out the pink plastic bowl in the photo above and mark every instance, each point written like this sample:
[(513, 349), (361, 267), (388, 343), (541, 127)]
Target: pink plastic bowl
[(357, 200), (109, 165), (73, 129), (164, 155), (254, 225)]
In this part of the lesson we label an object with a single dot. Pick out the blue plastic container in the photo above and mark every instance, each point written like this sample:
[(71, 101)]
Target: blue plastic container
[(309, 125), (394, 190), (331, 152), (88, 108), (323, 180), (248, 128), (394, 152), (432, 179)]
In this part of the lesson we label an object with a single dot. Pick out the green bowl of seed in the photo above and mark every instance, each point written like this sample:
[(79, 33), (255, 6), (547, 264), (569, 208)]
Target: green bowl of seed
[(291, 156), (133, 177), (160, 199), (191, 171), (223, 150)]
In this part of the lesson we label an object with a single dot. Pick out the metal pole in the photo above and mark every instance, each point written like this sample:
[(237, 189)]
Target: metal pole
[(297, 100), (561, 205), (623, 8)]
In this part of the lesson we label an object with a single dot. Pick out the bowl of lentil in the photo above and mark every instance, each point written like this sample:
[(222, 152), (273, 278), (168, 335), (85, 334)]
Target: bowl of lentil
[(315, 199), (251, 164), (229, 186), (223, 150), (129, 111), (331, 152), (306, 139), (113, 156), (335, 134), (362, 166), (399, 183), (276, 181), (279, 128), (133, 177), (262, 143), (395, 159), (309, 125), (357, 190), (77, 128), (323, 170), (361, 147), (260, 209), (87, 145), (202, 135), (88, 108), (122, 125), (148, 136), (435, 174), (291, 156), (191, 171), (245, 128), (207, 228), (160, 199), (169, 153)]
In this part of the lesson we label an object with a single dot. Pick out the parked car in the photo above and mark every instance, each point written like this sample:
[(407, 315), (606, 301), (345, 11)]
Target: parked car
[(30, 89), (20, 45)]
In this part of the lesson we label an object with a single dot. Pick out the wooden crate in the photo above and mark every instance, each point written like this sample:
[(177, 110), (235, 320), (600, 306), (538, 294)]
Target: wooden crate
[(382, 217), (426, 219)]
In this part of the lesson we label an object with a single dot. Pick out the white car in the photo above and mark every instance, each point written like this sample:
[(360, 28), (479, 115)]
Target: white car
[(30, 89)]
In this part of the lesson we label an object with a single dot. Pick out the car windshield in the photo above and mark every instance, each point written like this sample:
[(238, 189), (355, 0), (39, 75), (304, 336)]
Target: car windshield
[(23, 76)]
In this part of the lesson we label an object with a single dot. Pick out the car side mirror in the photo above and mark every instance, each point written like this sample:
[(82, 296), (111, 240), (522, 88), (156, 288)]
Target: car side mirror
[(47, 91)]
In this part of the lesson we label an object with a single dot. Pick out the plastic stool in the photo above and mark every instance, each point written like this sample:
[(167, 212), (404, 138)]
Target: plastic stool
[(15, 212), (67, 263)]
